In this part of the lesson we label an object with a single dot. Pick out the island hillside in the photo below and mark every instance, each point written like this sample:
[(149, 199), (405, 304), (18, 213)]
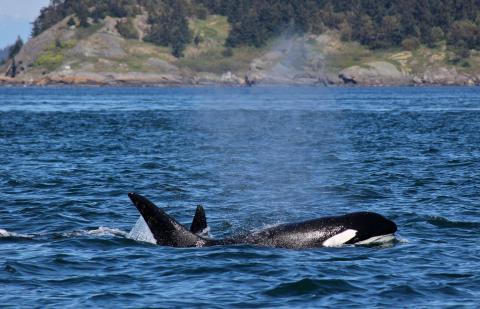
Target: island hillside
[(177, 42)]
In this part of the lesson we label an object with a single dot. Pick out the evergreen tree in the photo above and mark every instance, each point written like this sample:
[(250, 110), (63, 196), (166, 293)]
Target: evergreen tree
[(15, 48), (436, 35), (170, 27)]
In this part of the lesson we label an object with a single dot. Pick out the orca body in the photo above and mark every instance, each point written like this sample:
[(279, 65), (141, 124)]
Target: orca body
[(353, 228)]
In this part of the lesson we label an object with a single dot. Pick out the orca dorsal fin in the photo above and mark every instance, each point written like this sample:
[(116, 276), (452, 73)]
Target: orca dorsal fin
[(199, 222), (166, 230)]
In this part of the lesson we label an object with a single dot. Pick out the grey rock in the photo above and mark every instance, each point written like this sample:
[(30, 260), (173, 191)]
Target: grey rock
[(441, 76), (374, 73)]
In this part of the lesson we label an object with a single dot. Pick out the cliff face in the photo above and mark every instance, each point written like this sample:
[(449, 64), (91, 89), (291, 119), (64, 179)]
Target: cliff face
[(99, 55)]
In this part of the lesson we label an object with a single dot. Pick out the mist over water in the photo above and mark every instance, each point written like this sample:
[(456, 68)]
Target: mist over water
[(291, 58), (253, 158)]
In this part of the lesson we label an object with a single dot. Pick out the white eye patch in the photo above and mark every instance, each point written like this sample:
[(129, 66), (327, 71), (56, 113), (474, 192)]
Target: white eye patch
[(340, 239)]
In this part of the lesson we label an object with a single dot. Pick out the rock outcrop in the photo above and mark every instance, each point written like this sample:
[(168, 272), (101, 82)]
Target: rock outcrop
[(446, 76), (109, 79), (36, 46), (374, 73)]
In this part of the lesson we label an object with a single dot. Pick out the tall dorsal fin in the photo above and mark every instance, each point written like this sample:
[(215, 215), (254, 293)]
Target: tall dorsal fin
[(199, 222), (166, 230)]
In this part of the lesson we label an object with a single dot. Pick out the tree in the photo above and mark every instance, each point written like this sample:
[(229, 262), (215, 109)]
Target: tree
[(227, 52), (177, 49), (82, 13), (345, 31), (127, 29), (463, 50), (436, 35), (15, 48), (464, 34), (169, 27), (411, 43), (12, 69), (364, 31), (71, 22), (391, 30)]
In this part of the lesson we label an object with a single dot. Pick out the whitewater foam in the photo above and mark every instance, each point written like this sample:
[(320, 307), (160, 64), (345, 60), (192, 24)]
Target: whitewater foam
[(100, 231), (5, 233)]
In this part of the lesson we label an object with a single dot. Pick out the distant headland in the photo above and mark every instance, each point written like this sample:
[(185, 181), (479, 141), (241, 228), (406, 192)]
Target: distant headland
[(221, 42)]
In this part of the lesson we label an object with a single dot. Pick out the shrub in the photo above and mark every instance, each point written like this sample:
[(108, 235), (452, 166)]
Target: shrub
[(49, 60), (201, 13), (127, 29), (227, 52), (436, 34), (463, 51), (71, 22), (465, 64), (53, 57), (197, 40), (410, 43)]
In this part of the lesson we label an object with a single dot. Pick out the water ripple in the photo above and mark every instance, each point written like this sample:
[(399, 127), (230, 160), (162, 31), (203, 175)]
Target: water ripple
[(253, 158), (313, 287)]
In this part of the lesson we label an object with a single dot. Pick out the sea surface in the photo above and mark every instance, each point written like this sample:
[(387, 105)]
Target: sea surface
[(254, 158)]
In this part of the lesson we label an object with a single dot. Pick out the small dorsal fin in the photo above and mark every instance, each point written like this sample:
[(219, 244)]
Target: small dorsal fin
[(199, 222)]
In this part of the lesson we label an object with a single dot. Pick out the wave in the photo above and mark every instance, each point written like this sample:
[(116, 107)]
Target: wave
[(309, 286), (6, 234), (442, 222), (100, 231)]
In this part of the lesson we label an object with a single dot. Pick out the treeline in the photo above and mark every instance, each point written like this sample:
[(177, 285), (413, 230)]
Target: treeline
[(374, 23)]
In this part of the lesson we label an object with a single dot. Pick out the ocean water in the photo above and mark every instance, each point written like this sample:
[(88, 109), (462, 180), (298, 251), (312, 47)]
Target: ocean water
[(253, 158)]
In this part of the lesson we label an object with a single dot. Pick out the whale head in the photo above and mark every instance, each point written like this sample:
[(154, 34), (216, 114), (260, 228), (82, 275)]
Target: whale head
[(368, 225)]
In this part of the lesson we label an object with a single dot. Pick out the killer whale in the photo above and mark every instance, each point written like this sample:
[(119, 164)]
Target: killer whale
[(353, 228)]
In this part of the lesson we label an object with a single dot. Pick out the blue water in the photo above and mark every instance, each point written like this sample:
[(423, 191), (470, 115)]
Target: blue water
[(253, 158)]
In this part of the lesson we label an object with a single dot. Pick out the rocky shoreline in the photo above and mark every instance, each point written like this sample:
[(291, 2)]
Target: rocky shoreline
[(383, 73), (355, 76)]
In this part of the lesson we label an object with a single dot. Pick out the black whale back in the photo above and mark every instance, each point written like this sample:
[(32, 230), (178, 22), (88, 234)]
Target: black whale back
[(313, 233), (358, 226)]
